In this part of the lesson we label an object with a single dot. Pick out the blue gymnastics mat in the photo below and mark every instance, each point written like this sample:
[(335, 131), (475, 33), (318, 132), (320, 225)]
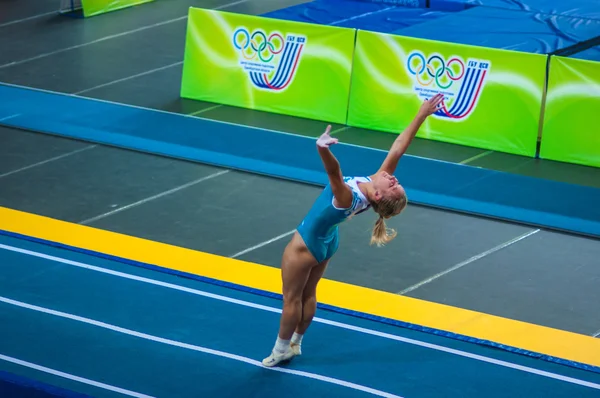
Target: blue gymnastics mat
[(507, 29), (387, 21), (399, 3), (591, 54), (149, 334), (373, 16), (573, 8), (430, 182), (326, 12)]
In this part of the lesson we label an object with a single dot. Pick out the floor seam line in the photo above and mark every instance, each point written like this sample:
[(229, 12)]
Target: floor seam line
[(148, 72), (64, 155), (262, 244), (476, 157), (469, 261), (339, 130), (26, 19), (210, 108), (153, 197), (110, 37)]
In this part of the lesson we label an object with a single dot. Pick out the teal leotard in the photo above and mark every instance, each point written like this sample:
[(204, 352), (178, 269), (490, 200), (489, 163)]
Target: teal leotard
[(319, 228)]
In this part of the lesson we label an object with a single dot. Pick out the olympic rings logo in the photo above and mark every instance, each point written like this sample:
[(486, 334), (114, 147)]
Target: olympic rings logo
[(436, 68), (257, 44)]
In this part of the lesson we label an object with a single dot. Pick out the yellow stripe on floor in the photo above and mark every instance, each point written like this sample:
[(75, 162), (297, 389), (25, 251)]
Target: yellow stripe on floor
[(554, 342)]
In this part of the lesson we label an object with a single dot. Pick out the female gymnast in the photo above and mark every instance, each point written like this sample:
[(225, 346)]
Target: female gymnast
[(316, 238)]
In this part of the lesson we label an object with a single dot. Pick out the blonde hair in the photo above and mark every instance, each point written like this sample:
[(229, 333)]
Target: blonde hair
[(386, 208)]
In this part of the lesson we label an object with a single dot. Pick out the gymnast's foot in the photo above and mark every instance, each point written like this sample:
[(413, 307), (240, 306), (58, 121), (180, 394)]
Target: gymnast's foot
[(278, 356), (296, 348)]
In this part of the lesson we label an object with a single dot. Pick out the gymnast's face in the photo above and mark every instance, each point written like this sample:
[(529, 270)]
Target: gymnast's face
[(387, 186)]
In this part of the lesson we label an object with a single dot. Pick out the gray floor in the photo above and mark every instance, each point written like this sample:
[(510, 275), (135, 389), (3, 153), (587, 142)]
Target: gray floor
[(485, 265)]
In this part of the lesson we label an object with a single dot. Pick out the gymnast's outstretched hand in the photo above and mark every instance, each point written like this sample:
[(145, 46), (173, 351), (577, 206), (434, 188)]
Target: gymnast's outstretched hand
[(431, 105), (325, 140)]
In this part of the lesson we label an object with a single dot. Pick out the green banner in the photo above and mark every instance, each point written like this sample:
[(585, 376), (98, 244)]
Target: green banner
[(492, 97), (96, 7), (268, 64), (572, 114)]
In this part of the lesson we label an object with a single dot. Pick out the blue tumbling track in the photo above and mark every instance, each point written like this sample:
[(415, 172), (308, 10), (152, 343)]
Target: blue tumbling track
[(429, 182), (155, 334)]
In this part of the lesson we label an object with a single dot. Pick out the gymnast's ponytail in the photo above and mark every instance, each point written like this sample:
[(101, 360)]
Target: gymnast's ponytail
[(386, 208), (381, 234)]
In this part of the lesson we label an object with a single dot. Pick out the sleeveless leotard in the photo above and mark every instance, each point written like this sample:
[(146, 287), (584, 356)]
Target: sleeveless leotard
[(319, 229)]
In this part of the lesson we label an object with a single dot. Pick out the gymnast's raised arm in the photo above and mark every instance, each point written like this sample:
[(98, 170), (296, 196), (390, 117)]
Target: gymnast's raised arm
[(401, 143), (341, 192)]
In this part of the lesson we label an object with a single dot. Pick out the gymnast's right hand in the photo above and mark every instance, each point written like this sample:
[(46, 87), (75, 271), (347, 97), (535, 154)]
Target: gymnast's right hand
[(431, 105), (325, 140)]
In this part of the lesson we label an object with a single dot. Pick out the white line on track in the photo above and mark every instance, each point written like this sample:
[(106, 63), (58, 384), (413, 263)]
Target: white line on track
[(316, 319), (72, 377), (192, 347)]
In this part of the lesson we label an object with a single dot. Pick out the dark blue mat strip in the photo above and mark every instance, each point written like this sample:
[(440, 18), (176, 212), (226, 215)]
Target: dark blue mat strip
[(450, 186), (12, 385), (406, 325)]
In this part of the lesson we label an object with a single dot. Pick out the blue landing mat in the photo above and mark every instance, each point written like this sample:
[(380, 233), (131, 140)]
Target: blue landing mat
[(429, 182), (573, 8), (374, 16), (507, 29), (326, 12), (399, 3), (387, 21), (591, 54)]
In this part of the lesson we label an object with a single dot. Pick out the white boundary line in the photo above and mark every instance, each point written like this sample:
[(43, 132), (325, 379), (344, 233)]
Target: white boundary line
[(339, 130), (476, 157), (148, 72), (192, 347), (105, 38), (468, 261), (110, 37), (597, 334), (210, 108), (64, 155), (316, 319), (230, 5), (157, 196), (248, 250), (27, 19), (72, 377)]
